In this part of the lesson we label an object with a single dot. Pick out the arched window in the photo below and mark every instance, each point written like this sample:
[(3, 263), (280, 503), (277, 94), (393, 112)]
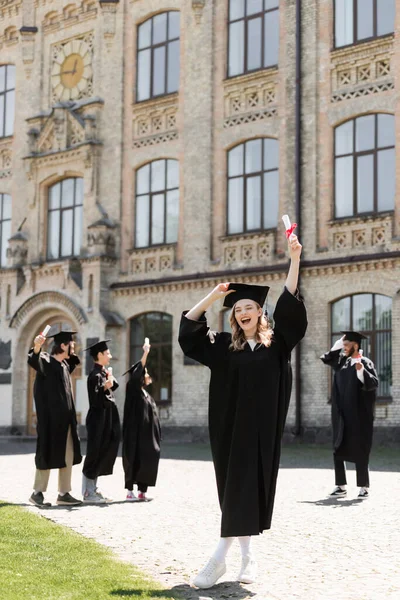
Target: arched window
[(157, 327), (158, 56), (360, 20), (253, 186), (365, 165), (64, 224), (7, 100), (253, 35), (157, 203), (5, 227), (370, 314)]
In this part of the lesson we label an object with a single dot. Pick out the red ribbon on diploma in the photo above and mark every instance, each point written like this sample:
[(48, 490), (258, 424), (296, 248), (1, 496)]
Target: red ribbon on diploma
[(290, 231)]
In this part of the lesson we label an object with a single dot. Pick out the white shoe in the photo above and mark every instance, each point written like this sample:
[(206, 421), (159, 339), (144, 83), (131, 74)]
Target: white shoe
[(248, 571), (130, 497), (210, 574), (99, 494), (94, 499), (363, 493)]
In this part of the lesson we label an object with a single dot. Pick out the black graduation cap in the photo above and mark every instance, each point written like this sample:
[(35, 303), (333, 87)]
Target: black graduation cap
[(130, 369), (100, 346), (63, 337), (354, 336), (243, 291)]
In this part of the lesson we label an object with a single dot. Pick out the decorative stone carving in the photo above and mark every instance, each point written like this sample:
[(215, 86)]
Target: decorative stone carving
[(340, 240), (101, 238), (10, 8), (145, 262), (10, 36), (359, 238), (109, 9), (248, 249), (61, 129), (28, 44), (68, 16), (51, 298), (250, 98), (5, 160), (362, 70), (198, 7), (17, 250), (155, 122), (360, 233)]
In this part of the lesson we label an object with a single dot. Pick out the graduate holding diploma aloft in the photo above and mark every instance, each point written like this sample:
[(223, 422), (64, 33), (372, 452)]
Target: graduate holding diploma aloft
[(249, 396), (141, 431), (58, 444)]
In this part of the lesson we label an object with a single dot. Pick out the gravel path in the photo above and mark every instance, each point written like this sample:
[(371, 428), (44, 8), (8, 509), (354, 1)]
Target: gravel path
[(318, 549)]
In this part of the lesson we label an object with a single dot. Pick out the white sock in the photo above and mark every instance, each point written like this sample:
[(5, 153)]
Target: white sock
[(244, 542), (222, 549)]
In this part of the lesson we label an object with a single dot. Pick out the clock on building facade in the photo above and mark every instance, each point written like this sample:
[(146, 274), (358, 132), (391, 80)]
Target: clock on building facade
[(72, 69)]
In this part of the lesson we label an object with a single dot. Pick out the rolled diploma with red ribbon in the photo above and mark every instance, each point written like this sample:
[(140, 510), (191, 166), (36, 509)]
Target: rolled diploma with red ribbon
[(289, 228), (46, 330)]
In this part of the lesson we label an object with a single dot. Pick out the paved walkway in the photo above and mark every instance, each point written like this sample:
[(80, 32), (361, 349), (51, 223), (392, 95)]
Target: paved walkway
[(318, 549)]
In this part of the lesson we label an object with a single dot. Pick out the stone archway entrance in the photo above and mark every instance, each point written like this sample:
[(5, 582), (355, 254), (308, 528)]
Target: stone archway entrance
[(57, 323)]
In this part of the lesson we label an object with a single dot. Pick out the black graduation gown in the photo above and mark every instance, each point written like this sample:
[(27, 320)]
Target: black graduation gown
[(352, 407), (248, 401), (141, 433), (102, 425), (55, 409)]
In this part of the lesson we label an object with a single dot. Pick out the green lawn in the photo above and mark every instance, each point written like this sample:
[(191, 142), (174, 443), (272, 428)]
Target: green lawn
[(43, 561)]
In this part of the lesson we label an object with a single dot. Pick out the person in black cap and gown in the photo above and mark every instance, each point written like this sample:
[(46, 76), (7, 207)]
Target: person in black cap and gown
[(354, 389), (141, 432), (249, 396), (57, 445), (102, 424)]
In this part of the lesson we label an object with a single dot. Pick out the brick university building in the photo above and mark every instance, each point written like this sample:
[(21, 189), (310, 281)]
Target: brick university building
[(148, 149)]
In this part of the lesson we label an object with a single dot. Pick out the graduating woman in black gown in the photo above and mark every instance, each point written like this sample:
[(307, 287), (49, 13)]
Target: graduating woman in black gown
[(141, 432), (249, 396)]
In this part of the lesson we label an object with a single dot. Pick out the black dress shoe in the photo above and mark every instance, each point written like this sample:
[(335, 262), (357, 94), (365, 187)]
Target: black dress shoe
[(38, 500), (67, 500)]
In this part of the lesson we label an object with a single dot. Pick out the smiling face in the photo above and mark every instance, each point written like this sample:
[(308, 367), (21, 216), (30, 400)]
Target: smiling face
[(247, 314), (103, 358), (350, 348)]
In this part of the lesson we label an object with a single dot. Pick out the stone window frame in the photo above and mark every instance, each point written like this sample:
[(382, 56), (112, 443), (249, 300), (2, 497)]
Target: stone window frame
[(246, 18), (370, 332), (150, 193), (355, 155), (3, 229), (246, 176), (157, 354), (355, 22), (61, 209), (4, 93), (153, 47)]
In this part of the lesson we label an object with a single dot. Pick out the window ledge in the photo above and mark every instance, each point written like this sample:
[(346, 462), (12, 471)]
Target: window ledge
[(362, 218), (248, 235), (156, 101), (252, 75), (361, 44), (151, 249)]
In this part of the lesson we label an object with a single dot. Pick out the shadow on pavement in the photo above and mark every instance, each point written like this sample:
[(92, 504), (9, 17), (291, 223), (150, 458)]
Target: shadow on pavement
[(333, 502), (221, 590)]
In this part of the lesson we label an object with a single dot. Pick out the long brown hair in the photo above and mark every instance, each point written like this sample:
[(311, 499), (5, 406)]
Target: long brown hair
[(264, 332)]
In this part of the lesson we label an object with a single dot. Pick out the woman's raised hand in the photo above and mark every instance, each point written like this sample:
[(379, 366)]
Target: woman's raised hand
[(220, 291), (295, 247)]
